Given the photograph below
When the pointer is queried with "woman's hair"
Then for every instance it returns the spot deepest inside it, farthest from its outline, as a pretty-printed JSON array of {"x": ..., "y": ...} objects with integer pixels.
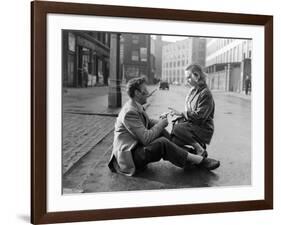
[
  {"x": 134, "y": 84},
  {"x": 197, "y": 70}
]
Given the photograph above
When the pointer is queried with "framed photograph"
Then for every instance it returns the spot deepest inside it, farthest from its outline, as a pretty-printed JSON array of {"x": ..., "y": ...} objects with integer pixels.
[{"x": 85, "y": 62}]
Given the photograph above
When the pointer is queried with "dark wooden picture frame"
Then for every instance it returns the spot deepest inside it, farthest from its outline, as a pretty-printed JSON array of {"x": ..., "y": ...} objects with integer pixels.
[{"x": 39, "y": 11}]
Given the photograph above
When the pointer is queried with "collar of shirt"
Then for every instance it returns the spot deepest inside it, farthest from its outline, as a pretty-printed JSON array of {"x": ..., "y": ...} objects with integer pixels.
[
  {"x": 139, "y": 106},
  {"x": 201, "y": 86}
]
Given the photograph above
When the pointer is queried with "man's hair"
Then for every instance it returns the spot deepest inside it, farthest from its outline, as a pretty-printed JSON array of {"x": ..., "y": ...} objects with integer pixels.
[
  {"x": 197, "y": 70},
  {"x": 134, "y": 84}
]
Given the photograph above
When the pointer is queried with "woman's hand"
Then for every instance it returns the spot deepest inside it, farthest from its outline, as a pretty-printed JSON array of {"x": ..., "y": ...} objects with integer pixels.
[{"x": 174, "y": 112}]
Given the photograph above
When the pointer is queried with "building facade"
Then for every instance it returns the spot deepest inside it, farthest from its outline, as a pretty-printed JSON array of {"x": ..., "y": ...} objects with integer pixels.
[
  {"x": 85, "y": 58},
  {"x": 178, "y": 55},
  {"x": 228, "y": 63},
  {"x": 136, "y": 57},
  {"x": 157, "y": 45}
]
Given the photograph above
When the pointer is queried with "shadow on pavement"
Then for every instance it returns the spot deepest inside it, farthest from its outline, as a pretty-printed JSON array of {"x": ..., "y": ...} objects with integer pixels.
[
  {"x": 172, "y": 176},
  {"x": 159, "y": 175}
]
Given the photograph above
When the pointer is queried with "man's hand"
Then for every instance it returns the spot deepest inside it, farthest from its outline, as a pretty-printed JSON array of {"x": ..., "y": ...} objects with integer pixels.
[
  {"x": 164, "y": 115},
  {"x": 163, "y": 121}
]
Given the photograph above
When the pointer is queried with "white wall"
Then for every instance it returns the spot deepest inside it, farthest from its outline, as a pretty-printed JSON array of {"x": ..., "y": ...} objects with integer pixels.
[{"x": 15, "y": 111}]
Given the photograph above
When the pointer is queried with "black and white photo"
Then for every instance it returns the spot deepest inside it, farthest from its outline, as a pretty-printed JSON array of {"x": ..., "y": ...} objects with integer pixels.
[{"x": 114, "y": 138}]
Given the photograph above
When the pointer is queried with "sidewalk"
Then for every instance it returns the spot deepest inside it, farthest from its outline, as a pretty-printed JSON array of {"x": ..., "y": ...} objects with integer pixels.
[
  {"x": 240, "y": 95},
  {"x": 92, "y": 101}
]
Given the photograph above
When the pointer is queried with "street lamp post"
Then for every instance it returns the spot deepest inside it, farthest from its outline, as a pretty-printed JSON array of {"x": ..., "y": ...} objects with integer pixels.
[{"x": 114, "y": 90}]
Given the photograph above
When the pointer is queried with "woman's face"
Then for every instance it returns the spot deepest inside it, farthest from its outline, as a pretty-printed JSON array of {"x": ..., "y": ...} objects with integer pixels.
[{"x": 191, "y": 79}]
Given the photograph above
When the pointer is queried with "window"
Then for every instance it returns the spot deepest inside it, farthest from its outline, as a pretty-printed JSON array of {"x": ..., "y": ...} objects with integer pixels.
[
  {"x": 131, "y": 71},
  {"x": 135, "y": 39},
  {"x": 227, "y": 56},
  {"x": 71, "y": 42},
  {"x": 121, "y": 38},
  {"x": 135, "y": 56},
  {"x": 143, "y": 54}
]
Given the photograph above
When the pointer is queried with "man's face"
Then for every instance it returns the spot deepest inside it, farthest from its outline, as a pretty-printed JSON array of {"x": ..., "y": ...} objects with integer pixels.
[{"x": 142, "y": 94}]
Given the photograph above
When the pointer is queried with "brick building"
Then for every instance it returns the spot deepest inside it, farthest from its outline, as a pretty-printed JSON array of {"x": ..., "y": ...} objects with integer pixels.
[
  {"x": 136, "y": 56},
  {"x": 85, "y": 52}
]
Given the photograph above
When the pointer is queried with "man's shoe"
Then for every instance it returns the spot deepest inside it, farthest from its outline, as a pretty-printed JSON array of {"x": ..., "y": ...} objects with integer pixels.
[
  {"x": 209, "y": 164},
  {"x": 203, "y": 153}
]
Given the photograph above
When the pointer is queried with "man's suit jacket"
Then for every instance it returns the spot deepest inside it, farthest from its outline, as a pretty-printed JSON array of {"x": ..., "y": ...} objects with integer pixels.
[{"x": 132, "y": 127}]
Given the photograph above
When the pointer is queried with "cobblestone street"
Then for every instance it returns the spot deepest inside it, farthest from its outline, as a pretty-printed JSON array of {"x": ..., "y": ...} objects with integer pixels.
[{"x": 81, "y": 133}]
